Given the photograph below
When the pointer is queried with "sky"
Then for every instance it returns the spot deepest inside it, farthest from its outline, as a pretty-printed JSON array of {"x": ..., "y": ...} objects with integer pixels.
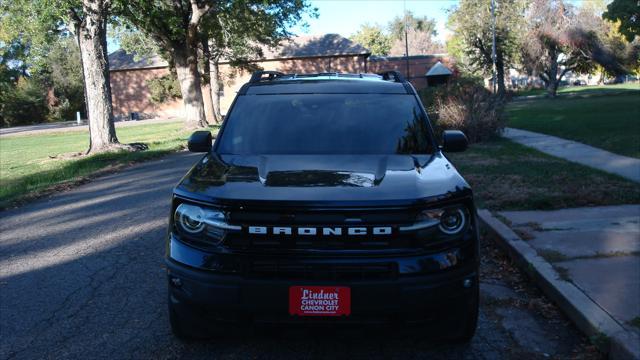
[{"x": 344, "y": 17}]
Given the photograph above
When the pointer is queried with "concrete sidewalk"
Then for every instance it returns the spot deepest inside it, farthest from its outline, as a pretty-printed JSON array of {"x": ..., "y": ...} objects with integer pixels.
[
  {"x": 624, "y": 166},
  {"x": 595, "y": 253}
]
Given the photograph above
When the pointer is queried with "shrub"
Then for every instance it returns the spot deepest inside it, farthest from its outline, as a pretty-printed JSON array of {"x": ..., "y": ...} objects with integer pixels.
[
  {"x": 25, "y": 103},
  {"x": 62, "y": 73},
  {"x": 465, "y": 104},
  {"x": 61, "y": 111},
  {"x": 164, "y": 88}
]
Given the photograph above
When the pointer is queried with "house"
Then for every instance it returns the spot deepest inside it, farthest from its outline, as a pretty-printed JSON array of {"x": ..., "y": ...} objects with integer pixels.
[
  {"x": 421, "y": 68},
  {"x": 129, "y": 89},
  {"x": 301, "y": 54}
]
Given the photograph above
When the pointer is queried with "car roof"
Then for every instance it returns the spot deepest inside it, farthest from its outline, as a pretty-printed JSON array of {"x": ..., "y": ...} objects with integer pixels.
[{"x": 334, "y": 83}]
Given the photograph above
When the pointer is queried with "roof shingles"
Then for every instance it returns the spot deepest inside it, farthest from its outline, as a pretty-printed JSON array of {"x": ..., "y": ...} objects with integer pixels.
[
  {"x": 310, "y": 46},
  {"x": 296, "y": 47},
  {"x": 121, "y": 60}
]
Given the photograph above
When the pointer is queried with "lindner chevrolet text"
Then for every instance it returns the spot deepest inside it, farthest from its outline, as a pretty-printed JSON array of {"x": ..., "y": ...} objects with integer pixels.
[{"x": 326, "y": 198}]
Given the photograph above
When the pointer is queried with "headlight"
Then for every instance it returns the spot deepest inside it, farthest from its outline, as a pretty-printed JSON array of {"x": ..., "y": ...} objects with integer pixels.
[
  {"x": 190, "y": 219},
  {"x": 194, "y": 221},
  {"x": 450, "y": 220},
  {"x": 453, "y": 221}
]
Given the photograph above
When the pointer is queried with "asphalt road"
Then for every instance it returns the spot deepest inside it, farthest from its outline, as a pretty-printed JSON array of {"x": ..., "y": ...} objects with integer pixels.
[{"x": 82, "y": 276}]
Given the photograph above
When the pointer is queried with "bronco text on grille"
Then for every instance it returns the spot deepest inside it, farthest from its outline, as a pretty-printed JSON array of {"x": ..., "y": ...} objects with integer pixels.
[
  {"x": 325, "y": 197},
  {"x": 324, "y": 231}
]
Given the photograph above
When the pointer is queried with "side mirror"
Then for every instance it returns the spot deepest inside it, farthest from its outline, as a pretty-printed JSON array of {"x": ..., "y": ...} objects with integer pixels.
[
  {"x": 454, "y": 141},
  {"x": 200, "y": 141}
]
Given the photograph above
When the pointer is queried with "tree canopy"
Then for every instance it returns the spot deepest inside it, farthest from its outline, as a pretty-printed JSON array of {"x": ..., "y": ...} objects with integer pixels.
[
  {"x": 559, "y": 39},
  {"x": 235, "y": 28},
  {"x": 545, "y": 38},
  {"x": 37, "y": 42},
  {"x": 627, "y": 12},
  {"x": 421, "y": 33},
  {"x": 411, "y": 22},
  {"x": 373, "y": 38},
  {"x": 471, "y": 43},
  {"x": 390, "y": 39}
]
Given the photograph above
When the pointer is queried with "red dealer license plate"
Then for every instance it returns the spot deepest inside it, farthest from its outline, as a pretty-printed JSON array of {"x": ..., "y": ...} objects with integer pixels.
[{"x": 319, "y": 300}]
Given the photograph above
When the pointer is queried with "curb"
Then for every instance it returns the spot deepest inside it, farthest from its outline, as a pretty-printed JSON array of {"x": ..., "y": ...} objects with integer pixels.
[{"x": 587, "y": 315}]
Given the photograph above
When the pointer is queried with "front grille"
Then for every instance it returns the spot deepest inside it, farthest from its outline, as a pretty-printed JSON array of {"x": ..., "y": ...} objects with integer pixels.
[
  {"x": 298, "y": 271},
  {"x": 242, "y": 241},
  {"x": 428, "y": 239},
  {"x": 321, "y": 218},
  {"x": 316, "y": 217}
]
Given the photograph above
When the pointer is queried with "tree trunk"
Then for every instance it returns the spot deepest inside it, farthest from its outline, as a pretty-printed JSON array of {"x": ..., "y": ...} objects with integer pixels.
[
  {"x": 215, "y": 92},
  {"x": 186, "y": 63},
  {"x": 601, "y": 78},
  {"x": 206, "y": 81},
  {"x": 552, "y": 88},
  {"x": 556, "y": 82},
  {"x": 502, "y": 90},
  {"x": 95, "y": 64},
  {"x": 208, "y": 103},
  {"x": 552, "y": 74}
]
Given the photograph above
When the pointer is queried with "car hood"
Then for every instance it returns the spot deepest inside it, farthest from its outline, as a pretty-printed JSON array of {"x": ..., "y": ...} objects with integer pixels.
[{"x": 321, "y": 178}]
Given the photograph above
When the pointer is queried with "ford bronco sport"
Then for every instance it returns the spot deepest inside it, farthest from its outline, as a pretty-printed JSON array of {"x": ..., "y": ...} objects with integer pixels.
[{"x": 325, "y": 198}]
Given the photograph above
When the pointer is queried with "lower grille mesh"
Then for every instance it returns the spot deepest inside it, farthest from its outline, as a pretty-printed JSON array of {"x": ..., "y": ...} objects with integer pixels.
[{"x": 284, "y": 270}]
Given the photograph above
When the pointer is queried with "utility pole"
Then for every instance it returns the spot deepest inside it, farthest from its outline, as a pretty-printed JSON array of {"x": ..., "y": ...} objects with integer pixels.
[
  {"x": 493, "y": 45},
  {"x": 406, "y": 39}
]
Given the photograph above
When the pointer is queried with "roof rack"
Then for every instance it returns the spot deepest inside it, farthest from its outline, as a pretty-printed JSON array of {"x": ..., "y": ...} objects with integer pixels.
[
  {"x": 257, "y": 76},
  {"x": 267, "y": 76},
  {"x": 392, "y": 75}
]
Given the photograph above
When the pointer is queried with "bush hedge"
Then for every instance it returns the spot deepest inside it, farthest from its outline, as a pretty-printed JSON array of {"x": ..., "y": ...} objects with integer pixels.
[
  {"x": 164, "y": 88},
  {"x": 23, "y": 104},
  {"x": 465, "y": 104}
]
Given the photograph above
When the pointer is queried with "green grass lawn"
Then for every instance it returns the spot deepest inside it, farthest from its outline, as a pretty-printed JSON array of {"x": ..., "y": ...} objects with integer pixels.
[
  {"x": 508, "y": 176},
  {"x": 32, "y": 163},
  {"x": 607, "y": 121},
  {"x": 615, "y": 88}
]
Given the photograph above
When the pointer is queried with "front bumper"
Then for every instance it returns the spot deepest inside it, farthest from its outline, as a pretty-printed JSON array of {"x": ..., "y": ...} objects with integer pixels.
[{"x": 446, "y": 280}]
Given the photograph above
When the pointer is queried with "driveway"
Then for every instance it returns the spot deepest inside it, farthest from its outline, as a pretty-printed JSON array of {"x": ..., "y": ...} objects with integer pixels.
[{"x": 82, "y": 276}]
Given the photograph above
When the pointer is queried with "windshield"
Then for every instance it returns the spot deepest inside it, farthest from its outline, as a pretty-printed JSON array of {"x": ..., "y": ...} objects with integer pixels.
[{"x": 326, "y": 124}]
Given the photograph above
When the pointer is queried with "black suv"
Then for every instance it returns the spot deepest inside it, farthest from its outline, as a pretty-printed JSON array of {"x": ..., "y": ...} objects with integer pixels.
[{"x": 325, "y": 199}]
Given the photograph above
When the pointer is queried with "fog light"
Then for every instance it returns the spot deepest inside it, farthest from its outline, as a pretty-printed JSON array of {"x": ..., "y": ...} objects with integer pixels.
[{"x": 467, "y": 283}]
